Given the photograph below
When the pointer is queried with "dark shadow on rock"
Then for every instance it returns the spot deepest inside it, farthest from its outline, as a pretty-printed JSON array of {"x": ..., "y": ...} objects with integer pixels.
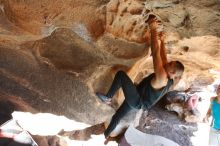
[
  {"x": 6, "y": 108},
  {"x": 10, "y": 142},
  {"x": 84, "y": 134},
  {"x": 167, "y": 124}
]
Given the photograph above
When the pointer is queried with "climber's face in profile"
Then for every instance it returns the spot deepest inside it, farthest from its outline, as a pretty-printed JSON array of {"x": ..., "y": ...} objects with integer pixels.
[{"x": 174, "y": 69}]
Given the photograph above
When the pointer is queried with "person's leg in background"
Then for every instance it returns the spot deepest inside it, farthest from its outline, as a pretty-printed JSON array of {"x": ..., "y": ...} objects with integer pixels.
[
  {"x": 214, "y": 137},
  {"x": 218, "y": 138}
]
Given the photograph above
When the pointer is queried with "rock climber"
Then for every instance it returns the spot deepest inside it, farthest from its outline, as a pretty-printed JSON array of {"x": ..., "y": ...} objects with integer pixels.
[{"x": 151, "y": 88}]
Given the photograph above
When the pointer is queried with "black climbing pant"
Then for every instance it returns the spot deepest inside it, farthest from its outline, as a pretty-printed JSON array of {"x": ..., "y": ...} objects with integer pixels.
[{"x": 132, "y": 99}]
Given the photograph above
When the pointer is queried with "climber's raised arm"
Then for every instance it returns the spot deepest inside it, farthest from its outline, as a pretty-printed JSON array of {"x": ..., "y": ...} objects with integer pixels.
[
  {"x": 162, "y": 48},
  {"x": 160, "y": 78}
]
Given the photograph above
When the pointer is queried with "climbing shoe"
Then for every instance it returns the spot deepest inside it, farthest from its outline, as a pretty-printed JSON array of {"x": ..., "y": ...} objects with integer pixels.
[{"x": 103, "y": 98}]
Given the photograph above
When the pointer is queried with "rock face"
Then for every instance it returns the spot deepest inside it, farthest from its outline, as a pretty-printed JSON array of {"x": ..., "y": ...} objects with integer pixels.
[
  {"x": 42, "y": 17},
  {"x": 36, "y": 76},
  {"x": 126, "y": 19},
  {"x": 55, "y": 54}
]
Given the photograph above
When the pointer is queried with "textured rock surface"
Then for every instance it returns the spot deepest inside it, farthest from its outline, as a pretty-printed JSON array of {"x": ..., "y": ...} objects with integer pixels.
[{"x": 55, "y": 54}]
